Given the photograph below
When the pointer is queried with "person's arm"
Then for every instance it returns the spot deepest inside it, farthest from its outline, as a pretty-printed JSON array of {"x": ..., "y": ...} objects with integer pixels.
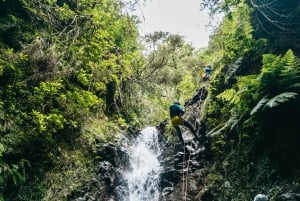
[{"x": 181, "y": 110}]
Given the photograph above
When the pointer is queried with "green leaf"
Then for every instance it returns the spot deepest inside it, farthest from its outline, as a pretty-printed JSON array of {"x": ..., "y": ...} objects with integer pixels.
[
  {"x": 281, "y": 98},
  {"x": 259, "y": 105},
  {"x": 229, "y": 95},
  {"x": 295, "y": 86}
]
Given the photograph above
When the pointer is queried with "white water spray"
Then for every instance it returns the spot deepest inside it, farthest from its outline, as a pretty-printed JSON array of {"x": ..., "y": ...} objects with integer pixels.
[{"x": 143, "y": 178}]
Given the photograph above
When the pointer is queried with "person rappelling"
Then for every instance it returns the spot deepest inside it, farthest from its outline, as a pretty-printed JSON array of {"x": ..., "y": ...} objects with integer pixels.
[
  {"x": 206, "y": 72},
  {"x": 176, "y": 112}
]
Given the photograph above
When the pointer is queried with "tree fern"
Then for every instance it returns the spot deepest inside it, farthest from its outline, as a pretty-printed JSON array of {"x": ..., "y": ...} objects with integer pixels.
[
  {"x": 279, "y": 73},
  {"x": 290, "y": 72},
  {"x": 277, "y": 100},
  {"x": 259, "y": 105},
  {"x": 294, "y": 87},
  {"x": 244, "y": 82},
  {"x": 229, "y": 95},
  {"x": 280, "y": 99},
  {"x": 253, "y": 95},
  {"x": 292, "y": 63}
]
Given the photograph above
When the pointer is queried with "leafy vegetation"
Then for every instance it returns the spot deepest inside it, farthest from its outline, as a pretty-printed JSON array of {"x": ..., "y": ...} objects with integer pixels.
[
  {"x": 72, "y": 74},
  {"x": 253, "y": 100},
  {"x": 62, "y": 64}
]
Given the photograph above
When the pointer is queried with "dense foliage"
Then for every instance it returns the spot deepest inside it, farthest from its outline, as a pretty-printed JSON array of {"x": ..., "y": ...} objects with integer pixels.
[
  {"x": 73, "y": 73},
  {"x": 274, "y": 20},
  {"x": 253, "y": 101},
  {"x": 61, "y": 64}
]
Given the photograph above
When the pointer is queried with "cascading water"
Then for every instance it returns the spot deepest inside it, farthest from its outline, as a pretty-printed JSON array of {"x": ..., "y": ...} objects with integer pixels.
[{"x": 144, "y": 175}]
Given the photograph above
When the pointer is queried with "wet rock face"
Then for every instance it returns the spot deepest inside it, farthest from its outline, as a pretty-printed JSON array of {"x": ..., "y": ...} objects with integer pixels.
[
  {"x": 115, "y": 155},
  {"x": 185, "y": 166},
  {"x": 108, "y": 183},
  {"x": 109, "y": 171},
  {"x": 114, "y": 160},
  {"x": 200, "y": 95}
]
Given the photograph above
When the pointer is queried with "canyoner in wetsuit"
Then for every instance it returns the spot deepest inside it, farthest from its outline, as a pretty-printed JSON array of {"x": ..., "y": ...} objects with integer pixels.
[
  {"x": 206, "y": 73},
  {"x": 176, "y": 112}
]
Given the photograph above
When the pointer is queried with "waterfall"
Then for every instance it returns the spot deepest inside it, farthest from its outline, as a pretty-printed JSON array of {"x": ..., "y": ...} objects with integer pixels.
[{"x": 144, "y": 176}]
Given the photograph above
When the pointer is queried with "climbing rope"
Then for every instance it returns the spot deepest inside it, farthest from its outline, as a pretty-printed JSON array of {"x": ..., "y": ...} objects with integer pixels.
[
  {"x": 185, "y": 177},
  {"x": 186, "y": 164}
]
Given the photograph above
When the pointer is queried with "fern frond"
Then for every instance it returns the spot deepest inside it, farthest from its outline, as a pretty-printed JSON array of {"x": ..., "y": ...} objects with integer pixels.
[
  {"x": 281, "y": 98},
  {"x": 234, "y": 120},
  {"x": 259, "y": 105},
  {"x": 243, "y": 81},
  {"x": 291, "y": 66},
  {"x": 229, "y": 95},
  {"x": 233, "y": 68},
  {"x": 250, "y": 122},
  {"x": 232, "y": 123},
  {"x": 269, "y": 61},
  {"x": 291, "y": 59},
  {"x": 295, "y": 86}
]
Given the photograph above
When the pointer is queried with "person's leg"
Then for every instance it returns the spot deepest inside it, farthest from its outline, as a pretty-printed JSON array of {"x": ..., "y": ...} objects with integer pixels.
[
  {"x": 187, "y": 124},
  {"x": 179, "y": 134}
]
